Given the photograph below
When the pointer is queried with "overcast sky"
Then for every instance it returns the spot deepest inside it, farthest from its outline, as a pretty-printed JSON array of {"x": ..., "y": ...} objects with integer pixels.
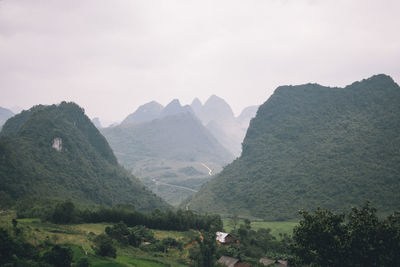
[{"x": 112, "y": 56}]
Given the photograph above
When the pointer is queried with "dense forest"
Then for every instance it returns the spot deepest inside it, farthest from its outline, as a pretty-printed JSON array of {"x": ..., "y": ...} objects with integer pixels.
[
  {"x": 311, "y": 146},
  {"x": 55, "y": 151}
]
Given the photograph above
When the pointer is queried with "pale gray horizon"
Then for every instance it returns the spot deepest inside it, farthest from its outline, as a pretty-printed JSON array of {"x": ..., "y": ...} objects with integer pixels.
[{"x": 110, "y": 57}]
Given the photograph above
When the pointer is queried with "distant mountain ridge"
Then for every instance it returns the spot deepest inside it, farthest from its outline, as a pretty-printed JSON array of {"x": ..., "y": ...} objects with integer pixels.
[
  {"x": 55, "y": 151},
  {"x": 5, "y": 114},
  {"x": 144, "y": 113},
  {"x": 311, "y": 146},
  {"x": 216, "y": 115},
  {"x": 175, "y": 148},
  {"x": 180, "y": 137},
  {"x": 219, "y": 119}
]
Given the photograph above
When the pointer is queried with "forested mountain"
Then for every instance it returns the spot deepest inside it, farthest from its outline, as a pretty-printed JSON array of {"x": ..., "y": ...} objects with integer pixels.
[
  {"x": 5, "y": 114},
  {"x": 311, "y": 146},
  {"x": 56, "y": 152},
  {"x": 171, "y": 149}
]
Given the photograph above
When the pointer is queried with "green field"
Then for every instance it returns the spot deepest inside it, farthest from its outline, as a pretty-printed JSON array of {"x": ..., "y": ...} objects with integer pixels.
[
  {"x": 285, "y": 227},
  {"x": 79, "y": 238}
]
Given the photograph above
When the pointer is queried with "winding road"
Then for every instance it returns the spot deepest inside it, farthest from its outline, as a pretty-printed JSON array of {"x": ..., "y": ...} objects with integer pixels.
[
  {"x": 209, "y": 170},
  {"x": 172, "y": 185}
]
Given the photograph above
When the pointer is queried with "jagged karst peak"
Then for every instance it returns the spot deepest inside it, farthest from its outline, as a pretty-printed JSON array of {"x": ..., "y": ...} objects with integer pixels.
[
  {"x": 216, "y": 103},
  {"x": 175, "y": 107},
  {"x": 144, "y": 113},
  {"x": 248, "y": 112},
  {"x": 196, "y": 102},
  {"x": 375, "y": 79},
  {"x": 174, "y": 103}
]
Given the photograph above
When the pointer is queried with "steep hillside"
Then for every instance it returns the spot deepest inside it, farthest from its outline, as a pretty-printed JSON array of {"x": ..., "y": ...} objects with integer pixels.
[
  {"x": 312, "y": 146},
  {"x": 160, "y": 150},
  {"x": 55, "y": 151}
]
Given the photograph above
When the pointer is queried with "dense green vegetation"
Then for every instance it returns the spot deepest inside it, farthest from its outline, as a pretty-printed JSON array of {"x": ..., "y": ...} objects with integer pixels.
[
  {"x": 326, "y": 238},
  {"x": 277, "y": 229},
  {"x": 66, "y": 212},
  {"x": 83, "y": 169},
  {"x": 34, "y": 243},
  {"x": 255, "y": 244},
  {"x": 322, "y": 238},
  {"x": 313, "y": 146}
]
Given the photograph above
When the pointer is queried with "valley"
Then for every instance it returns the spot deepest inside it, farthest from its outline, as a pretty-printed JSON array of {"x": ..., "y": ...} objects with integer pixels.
[{"x": 172, "y": 149}]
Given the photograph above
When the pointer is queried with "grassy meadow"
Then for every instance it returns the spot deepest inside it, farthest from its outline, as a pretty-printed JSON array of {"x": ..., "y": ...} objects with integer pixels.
[
  {"x": 79, "y": 238},
  {"x": 277, "y": 228}
]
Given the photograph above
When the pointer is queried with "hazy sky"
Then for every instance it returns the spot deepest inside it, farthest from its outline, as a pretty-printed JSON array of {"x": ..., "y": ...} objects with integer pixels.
[{"x": 112, "y": 56}]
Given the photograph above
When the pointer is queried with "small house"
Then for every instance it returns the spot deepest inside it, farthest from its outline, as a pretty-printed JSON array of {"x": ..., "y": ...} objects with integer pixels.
[
  {"x": 225, "y": 238},
  {"x": 270, "y": 262},
  {"x": 232, "y": 262},
  {"x": 228, "y": 261}
]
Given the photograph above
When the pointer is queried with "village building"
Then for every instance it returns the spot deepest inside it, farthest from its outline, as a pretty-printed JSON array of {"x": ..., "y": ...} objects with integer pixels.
[
  {"x": 225, "y": 238},
  {"x": 270, "y": 262},
  {"x": 232, "y": 262}
]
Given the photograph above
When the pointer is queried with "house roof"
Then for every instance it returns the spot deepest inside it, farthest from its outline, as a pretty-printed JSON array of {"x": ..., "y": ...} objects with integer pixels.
[
  {"x": 277, "y": 263},
  {"x": 221, "y": 236},
  {"x": 228, "y": 261}
]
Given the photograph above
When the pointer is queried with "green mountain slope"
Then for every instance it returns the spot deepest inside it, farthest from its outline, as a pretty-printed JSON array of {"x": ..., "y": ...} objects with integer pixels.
[
  {"x": 312, "y": 146},
  {"x": 55, "y": 151}
]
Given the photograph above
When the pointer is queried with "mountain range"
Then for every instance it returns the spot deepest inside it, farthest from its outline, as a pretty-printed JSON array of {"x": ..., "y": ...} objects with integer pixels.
[
  {"x": 169, "y": 149},
  {"x": 217, "y": 116},
  {"x": 56, "y": 152},
  {"x": 311, "y": 146}
]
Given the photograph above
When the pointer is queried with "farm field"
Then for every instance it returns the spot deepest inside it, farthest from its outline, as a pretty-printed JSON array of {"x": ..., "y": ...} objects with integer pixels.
[
  {"x": 284, "y": 227},
  {"x": 79, "y": 237}
]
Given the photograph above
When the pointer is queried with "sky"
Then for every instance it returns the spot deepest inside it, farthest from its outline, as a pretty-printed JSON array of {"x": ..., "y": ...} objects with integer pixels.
[{"x": 112, "y": 56}]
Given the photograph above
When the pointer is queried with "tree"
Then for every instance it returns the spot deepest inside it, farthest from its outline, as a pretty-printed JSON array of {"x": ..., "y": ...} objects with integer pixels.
[
  {"x": 6, "y": 246},
  {"x": 104, "y": 246},
  {"x": 325, "y": 239},
  {"x": 64, "y": 212},
  {"x": 59, "y": 256},
  {"x": 320, "y": 238},
  {"x": 208, "y": 248},
  {"x": 119, "y": 231},
  {"x": 83, "y": 262},
  {"x": 235, "y": 220}
]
